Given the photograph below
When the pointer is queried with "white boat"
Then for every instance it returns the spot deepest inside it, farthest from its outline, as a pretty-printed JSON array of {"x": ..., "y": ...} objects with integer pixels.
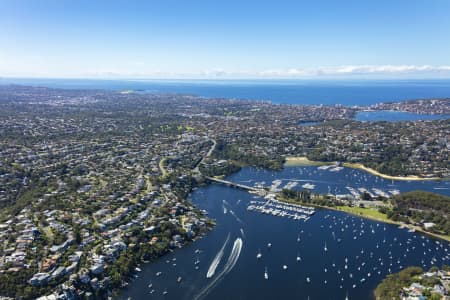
[
  {"x": 299, "y": 258},
  {"x": 325, "y": 247},
  {"x": 138, "y": 269},
  {"x": 269, "y": 245},
  {"x": 158, "y": 273},
  {"x": 266, "y": 274},
  {"x": 308, "y": 280},
  {"x": 259, "y": 255},
  {"x": 179, "y": 279},
  {"x": 285, "y": 267},
  {"x": 308, "y": 186}
]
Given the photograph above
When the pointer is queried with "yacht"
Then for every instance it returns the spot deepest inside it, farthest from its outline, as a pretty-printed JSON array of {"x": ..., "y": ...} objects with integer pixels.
[
  {"x": 266, "y": 274},
  {"x": 308, "y": 280},
  {"x": 285, "y": 267},
  {"x": 269, "y": 245},
  {"x": 259, "y": 255}
]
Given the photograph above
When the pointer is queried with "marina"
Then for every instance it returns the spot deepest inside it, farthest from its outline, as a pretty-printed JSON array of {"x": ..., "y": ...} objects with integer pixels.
[
  {"x": 331, "y": 256},
  {"x": 277, "y": 208}
]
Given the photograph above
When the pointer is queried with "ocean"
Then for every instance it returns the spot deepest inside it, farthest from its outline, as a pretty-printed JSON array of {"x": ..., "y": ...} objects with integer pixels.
[{"x": 326, "y": 92}]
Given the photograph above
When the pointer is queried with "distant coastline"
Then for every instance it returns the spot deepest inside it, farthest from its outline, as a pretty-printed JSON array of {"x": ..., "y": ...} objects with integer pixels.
[{"x": 303, "y": 160}]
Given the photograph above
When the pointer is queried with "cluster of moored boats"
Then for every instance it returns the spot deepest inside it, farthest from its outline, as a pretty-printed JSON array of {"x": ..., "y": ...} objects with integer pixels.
[
  {"x": 331, "y": 168},
  {"x": 374, "y": 192},
  {"x": 281, "y": 209},
  {"x": 356, "y": 268}
]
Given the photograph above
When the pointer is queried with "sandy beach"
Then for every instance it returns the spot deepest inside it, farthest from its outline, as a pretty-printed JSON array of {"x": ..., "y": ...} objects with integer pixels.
[
  {"x": 385, "y": 176},
  {"x": 304, "y": 161}
]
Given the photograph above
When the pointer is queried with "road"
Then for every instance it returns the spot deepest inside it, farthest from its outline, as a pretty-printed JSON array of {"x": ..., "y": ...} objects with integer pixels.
[{"x": 208, "y": 154}]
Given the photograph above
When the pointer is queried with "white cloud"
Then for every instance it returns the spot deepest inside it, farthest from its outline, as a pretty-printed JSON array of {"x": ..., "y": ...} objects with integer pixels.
[
  {"x": 345, "y": 71},
  {"x": 339, "y": 71},
  {"x": 384, "y": 69}
]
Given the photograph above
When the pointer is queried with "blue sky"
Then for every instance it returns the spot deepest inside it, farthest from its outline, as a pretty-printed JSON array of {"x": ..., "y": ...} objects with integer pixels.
[{"x": 225, "y": 39}]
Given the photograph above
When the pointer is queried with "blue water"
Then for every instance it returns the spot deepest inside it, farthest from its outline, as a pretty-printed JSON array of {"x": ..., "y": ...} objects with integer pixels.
[
  {"x": 370, "y": 247},
  {"x": 326, "y": 181},
  {"x": 356, "y": 92},
  {"x": 395, "y": 116}
]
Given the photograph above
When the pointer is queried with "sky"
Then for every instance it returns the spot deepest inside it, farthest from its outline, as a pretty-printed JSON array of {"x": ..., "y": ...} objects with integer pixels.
[{"x": 225, "y": 39}]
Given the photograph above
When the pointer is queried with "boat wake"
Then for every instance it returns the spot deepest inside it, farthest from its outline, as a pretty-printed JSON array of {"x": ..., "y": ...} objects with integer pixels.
[
  {"x": 212, "y": 268},
  {"x": 242, "y": 233},
  {"x": 236, "y": 217},
  {"x": 229, "y": 265}
]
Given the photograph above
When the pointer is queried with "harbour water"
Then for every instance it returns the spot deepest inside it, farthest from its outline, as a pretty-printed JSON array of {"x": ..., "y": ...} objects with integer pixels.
[
  {"x": 395, "y": 116},
  {"x": 330, "y": 256}
]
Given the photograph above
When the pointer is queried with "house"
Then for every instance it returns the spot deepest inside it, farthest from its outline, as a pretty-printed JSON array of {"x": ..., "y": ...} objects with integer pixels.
[{"x": 39, "y": 279}]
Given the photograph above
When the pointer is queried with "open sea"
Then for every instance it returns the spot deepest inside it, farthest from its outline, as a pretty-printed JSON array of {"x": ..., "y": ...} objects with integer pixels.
[{"x": 326, "y": 92}]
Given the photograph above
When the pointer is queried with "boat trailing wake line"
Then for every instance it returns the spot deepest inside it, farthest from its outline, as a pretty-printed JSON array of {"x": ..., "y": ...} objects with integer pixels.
[
  {"x": 212, "y": 268},
  {"x": 229, "y": 265},
  {"x": 234, "y": 256},
  {"x": 236, "y": 217}
]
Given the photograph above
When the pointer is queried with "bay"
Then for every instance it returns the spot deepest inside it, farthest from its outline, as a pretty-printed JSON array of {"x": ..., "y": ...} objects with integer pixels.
[
  {"x": 395, "y": 116},
  {"x": 352, "y": 268}
]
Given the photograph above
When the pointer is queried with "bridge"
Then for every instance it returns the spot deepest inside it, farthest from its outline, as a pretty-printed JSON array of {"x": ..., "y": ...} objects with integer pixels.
[{"x": 237, "y": 185}]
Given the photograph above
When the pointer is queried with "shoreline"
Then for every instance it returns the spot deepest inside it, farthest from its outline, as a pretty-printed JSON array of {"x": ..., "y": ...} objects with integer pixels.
[
  {"x": 304, "y": 161},
  {"x": 347, "y": 210},
  {"x": 388, "y": 221}
]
